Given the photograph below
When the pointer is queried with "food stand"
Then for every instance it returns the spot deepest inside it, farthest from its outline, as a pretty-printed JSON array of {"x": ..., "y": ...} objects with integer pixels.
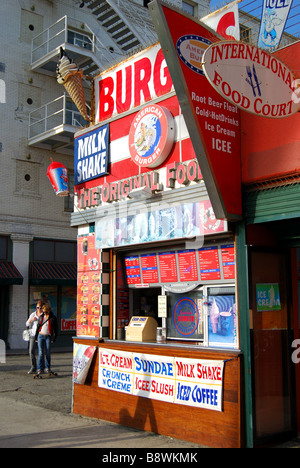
[{"x": 156, "y": 269}]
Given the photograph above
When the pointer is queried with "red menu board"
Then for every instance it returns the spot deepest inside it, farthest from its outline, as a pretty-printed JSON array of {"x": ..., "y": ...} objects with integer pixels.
[
  {"x": 88, "y": 287},
  {"x": 228, "y": 260},
  {"x": 187, "y": 265},
  {"x": 167, "y": 267},
  {"x": 149, "y": 268},
  {"x": 88, "y": 255},
  {"x": 209, "y": 263},
  {"x": 133, "y": 273}
]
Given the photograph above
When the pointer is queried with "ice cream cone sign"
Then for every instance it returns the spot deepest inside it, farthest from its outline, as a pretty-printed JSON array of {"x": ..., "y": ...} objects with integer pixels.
[
  {"x": 58, "y": 176},
  {"x": 69, "y": 75}
]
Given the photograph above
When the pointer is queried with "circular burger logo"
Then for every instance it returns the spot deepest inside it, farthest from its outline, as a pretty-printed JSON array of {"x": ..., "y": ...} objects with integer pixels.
[
  {"x": 186, "y": 316},
  {"x": 151, "y": 136}
]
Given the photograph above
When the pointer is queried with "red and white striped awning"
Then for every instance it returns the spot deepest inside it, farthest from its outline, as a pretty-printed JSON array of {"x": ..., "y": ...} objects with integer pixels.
[
  {"x": 9, "y": 274},
  {"x": 52, "y": 273}
]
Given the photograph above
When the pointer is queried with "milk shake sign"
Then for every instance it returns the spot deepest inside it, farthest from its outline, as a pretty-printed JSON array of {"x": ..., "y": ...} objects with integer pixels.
[{"x": 252, "y": 79}]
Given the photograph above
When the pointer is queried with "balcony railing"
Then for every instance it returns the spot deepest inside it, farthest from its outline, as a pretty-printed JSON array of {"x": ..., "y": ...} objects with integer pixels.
[
  {"x": 71, "y": 32},
  {"x": 54, "y": 117}
]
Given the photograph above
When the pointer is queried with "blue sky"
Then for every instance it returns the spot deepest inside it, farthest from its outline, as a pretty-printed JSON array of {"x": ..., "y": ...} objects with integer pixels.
[{"x": 254, "y": 7}]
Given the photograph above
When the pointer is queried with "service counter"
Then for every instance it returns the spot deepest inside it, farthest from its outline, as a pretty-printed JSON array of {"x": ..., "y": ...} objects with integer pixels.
[{"x": 195, "y": 424}]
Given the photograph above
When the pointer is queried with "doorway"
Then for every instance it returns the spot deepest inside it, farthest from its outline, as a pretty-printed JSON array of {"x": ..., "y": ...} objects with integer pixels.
[{"x": 273, "y": 373}]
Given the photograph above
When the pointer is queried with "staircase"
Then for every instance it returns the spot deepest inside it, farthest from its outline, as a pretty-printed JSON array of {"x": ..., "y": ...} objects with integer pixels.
[{"x": 128, "y": 24}]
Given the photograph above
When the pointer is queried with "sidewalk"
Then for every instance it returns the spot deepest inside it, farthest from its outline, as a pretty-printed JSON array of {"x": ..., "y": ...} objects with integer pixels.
[{"x": 37, "y": 413}]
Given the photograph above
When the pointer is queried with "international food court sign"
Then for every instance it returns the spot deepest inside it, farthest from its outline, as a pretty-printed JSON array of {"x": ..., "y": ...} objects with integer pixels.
[
  {"x": 213, "y": 80},
  {"x": 252, "y": 79}
]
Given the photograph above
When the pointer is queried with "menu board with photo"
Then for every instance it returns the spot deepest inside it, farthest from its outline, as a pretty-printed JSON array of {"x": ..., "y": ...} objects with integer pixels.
[{"x": 88, "y": 287}]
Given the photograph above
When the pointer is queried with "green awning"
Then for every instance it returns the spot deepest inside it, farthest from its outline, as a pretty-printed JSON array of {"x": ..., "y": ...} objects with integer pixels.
[
  {"x": 53, "y": 273},
  {"x": 9, "y": 274}
]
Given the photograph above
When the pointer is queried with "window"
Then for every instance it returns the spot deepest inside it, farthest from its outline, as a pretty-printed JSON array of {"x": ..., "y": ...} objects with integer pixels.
[
  {"x": 3, "y": 248},
  {"x": 69, "y": 200},
  {"x": 43, "y": 251},
  {"x": 64, "y": 251},
  {"x": 188, "y": 8},
  {"x": 202, "y": 311},
  {"x": 222, "y": 317},
  {"x": 185, "y": 315},
  {"x": 80, "y": 40},
  {"x": 54, "y": 251},
  {"x": 73, "y": 116},
  {"x": 62, "y": 300},
  {"x": 245, "y": 33}
]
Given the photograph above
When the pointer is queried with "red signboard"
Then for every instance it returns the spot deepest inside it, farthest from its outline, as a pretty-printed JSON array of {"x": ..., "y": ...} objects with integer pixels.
[
  {"x": 209, "y": 263},
  {"x": 167, "y": 267},
  {"x": 131, "y": 84},
  {"x": 228, "y": 260},
  {"x": 149, "y": 268},
  {"x": 88, "y": 287},
  {"x": 187, "y": 265},
  {"x": 267, "y": 142},
  {"x": 133, "y": 273},
  {"x": 213, "y": 123}
]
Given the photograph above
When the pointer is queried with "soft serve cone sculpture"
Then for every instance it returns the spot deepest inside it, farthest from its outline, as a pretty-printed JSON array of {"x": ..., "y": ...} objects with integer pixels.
[{"x": 70, "y": 76}]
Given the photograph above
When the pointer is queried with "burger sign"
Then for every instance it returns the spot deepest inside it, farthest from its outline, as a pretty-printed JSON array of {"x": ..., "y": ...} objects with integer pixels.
[
  {"x": 251, "y": 79},
  {"x": 151, "y": 136}
]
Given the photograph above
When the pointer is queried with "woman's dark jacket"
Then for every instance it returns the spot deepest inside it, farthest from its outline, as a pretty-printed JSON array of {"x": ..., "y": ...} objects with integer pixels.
[{"x": 53, "y": 326}]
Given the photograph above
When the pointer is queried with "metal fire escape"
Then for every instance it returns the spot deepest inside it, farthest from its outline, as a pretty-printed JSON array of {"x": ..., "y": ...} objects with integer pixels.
[
  {"x": 128, "y": 24},
  {"x": 126, "y": 28}
]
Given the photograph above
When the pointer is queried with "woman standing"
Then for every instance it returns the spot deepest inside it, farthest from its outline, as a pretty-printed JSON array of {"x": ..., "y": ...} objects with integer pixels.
[
  {"x": 46, "y": 334},
  {"x": 31, "y": 324}
]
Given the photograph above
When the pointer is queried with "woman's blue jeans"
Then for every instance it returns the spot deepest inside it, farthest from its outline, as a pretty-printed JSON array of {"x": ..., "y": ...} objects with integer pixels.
[{"x": 44, "y": 358}]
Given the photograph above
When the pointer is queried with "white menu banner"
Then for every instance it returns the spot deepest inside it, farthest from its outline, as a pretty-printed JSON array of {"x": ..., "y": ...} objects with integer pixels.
[{"x": 191, "y": 382}]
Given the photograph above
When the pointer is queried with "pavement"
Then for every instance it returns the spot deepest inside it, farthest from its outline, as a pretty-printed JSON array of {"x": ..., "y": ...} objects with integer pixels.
[{"x": 37, "y": 413}]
